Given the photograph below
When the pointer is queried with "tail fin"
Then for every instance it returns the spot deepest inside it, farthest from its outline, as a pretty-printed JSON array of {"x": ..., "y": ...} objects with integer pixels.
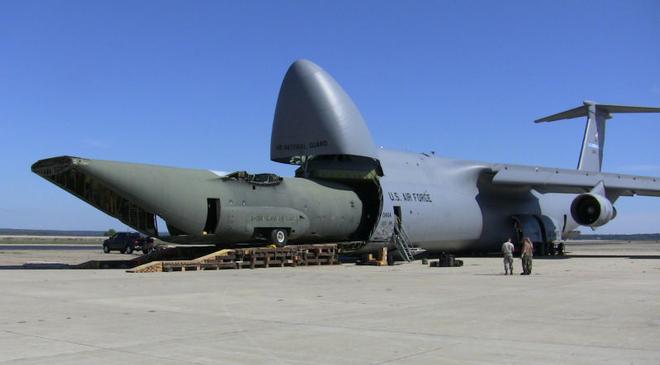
[{"x": 593, "y": 143}]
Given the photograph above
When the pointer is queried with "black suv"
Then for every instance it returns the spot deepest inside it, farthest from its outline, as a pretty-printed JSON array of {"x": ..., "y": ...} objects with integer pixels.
[{"x": 124, "y": 242}]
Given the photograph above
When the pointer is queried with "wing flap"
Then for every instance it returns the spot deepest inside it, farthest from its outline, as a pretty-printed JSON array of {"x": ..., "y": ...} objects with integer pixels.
[{"x": 554, "y": 180}]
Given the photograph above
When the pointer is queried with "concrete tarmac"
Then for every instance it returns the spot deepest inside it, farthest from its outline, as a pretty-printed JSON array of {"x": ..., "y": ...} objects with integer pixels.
[{"x": 599, "y": 305}]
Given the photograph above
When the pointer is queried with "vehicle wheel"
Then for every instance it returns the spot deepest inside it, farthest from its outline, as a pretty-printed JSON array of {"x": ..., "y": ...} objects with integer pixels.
[
  {"x": 106, "y": 249},
  {"x": 123, "y": 250},
  {"x": 129, "y": 249},
  {"x": 278, "y": 237},
  {"x": 145, "y": 251}
]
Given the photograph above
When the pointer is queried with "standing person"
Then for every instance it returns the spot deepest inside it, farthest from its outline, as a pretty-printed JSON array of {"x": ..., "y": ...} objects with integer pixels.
[
  {"x": 507, "y": 251},
  {"x": 526, "y": 256}
]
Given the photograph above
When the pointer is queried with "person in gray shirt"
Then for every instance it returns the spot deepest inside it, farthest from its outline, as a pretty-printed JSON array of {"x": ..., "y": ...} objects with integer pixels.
[{"x": 507, "y": 251}]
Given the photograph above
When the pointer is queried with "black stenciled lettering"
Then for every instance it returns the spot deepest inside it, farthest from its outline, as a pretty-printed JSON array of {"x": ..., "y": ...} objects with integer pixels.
[{"x": 317, "y": 144}]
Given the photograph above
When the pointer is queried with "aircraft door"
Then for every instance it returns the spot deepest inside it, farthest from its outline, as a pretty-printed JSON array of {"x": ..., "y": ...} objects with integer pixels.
[
  {"x": 385, "y": 225},
  {"x": 542, "y": 230},
  {"x": 212, "y": 215},
  {"x": 397, "y": 216},
  {"x": 527, "y": 225}
]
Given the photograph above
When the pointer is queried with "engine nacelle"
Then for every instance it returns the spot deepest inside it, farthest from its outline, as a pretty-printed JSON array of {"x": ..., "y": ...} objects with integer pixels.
[{"x": 592, "y": 210}]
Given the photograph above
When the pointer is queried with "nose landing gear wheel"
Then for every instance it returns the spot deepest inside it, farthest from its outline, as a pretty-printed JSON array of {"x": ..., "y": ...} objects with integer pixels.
[{"x": 278, "y": 237}]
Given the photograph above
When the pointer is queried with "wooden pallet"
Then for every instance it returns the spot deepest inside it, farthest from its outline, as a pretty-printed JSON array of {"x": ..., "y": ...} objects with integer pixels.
[
  {"x": 240, "y": 258},
  {"x": 380, "y": 260}
]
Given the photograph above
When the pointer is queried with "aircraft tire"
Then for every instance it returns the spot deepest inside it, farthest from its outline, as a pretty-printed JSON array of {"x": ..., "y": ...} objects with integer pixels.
[
  {"x": 106, "y": 249},
  {"x": 279, "y": 237}
]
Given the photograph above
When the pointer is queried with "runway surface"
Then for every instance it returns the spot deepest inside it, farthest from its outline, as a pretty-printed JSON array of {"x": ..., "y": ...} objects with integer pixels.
[
  {"x": 598, "y": 305},
  {"x": 37, "y": 247}
]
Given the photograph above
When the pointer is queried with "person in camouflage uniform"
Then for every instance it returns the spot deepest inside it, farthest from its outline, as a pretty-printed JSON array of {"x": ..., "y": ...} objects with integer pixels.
[
  {"x": 507, "y": 251},
  {"x": 526, "y": 256}
]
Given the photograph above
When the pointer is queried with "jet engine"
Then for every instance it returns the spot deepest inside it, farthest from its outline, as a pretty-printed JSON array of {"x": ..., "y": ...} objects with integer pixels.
[{"x": 592, "y": 210}]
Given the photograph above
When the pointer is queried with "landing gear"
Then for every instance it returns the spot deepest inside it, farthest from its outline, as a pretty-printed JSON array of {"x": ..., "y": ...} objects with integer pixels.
[
  {"x": 279, "y": 237},
  {"x": 547, "y": 249},
  {"x": 553, "y": 249}
]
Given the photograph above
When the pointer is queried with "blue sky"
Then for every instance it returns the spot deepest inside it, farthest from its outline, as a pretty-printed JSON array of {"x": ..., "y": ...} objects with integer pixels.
[{"x": 194, "y": 84}]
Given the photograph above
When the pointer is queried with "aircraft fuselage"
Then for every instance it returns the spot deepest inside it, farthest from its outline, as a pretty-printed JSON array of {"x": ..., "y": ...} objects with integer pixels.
[{"x": 445, "y": 204}]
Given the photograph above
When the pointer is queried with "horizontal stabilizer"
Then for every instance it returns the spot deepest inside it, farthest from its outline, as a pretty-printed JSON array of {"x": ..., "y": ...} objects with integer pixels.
[
  {"x": 583, "y": 111},
  {"x": 593, "y": 142}
]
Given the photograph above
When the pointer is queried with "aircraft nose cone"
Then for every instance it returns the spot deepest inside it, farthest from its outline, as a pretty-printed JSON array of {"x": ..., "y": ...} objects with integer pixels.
[
  {"x": 303, "y": 67},
  {"x": 315, "y": 116},
  {"x": 305, "y": 79}
]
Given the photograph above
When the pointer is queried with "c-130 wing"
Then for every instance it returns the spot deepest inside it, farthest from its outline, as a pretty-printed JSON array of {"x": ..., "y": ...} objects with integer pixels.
[{"x": 554, "y": 180}]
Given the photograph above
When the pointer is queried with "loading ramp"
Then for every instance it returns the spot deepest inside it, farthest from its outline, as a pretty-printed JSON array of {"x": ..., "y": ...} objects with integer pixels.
[
  {"x": 161, "y": 254},
  {"x": 240, "y": 258}
]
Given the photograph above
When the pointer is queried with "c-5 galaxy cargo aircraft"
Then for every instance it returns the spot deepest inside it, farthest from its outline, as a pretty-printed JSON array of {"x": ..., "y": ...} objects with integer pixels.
[{"x": 347, "y": 190}]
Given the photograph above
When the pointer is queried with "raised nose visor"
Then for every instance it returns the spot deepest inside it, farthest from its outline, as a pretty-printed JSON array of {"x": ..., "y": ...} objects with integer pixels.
[
  {"x": 315, "y": 116},
  {"x": 72, "y": 175}
]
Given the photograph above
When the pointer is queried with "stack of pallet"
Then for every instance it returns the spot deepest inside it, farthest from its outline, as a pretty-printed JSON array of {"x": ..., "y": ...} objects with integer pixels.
[{"x": 303, "y": 255}]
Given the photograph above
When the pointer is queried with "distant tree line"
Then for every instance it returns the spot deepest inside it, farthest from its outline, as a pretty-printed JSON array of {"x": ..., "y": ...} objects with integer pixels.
[
  {"x": 48, "y": 232},
  {"x": 617, "y": 237}
]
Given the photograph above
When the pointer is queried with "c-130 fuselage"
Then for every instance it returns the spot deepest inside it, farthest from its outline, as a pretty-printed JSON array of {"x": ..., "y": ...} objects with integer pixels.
[{"x": 346, "y": 190}]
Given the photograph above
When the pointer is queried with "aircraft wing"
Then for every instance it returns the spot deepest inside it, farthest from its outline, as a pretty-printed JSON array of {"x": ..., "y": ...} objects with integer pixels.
[{"x": 553, "y": 180}]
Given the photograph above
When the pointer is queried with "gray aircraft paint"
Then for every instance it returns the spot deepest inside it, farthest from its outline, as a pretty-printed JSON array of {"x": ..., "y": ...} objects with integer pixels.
[
  {"x": 314, "y": 211},
  {"x": 346, "y": 189},
  {"x": 315, "y": 116},
  {"x": 437, "y": 198}
]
